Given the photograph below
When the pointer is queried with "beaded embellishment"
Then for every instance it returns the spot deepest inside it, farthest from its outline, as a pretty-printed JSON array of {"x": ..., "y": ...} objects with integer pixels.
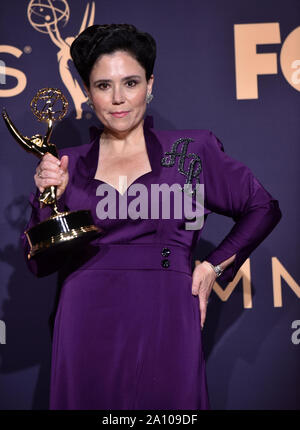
[{"x": 195, "y": 166}]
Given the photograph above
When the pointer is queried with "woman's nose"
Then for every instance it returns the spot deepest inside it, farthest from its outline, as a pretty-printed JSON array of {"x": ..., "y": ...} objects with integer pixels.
[{"x": 118, "y": 96}]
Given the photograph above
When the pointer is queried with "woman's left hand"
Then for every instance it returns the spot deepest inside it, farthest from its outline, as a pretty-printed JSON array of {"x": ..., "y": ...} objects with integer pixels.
[{"x": 204, "y": 278}]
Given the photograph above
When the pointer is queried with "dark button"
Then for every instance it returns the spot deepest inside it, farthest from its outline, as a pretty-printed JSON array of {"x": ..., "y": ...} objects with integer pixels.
[
  {"x": 165, "y": 263},
  {"x": 165, "y": 252}
]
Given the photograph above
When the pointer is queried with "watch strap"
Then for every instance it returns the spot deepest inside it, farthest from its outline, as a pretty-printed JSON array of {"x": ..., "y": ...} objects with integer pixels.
[{"x": 217, "y": 269}]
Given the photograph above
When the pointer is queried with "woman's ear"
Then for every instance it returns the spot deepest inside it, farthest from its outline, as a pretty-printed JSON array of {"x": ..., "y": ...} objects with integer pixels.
[
  {"x": 150, "y": 84},
  {"x": 87, "y": 91}
]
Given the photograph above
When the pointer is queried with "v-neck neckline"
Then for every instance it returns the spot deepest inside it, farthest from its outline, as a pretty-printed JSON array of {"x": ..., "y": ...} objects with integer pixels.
[
  {"x": 120, "y": 176},
  {"x": 153, "y": 149}
]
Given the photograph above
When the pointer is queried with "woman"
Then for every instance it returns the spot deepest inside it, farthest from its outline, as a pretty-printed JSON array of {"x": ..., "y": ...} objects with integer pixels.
[{"x": 127, "y": 331}]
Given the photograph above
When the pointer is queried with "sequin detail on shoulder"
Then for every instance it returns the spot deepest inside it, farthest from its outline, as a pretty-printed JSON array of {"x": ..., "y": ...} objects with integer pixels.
[{"x": 195, "y": 165}]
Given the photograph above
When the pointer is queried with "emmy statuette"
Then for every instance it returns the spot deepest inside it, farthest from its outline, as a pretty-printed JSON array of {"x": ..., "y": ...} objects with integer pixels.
[{"x": 62, "y": 230}]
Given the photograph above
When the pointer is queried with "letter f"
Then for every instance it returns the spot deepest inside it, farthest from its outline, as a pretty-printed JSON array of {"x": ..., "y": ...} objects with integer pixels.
[{"x": 249, "y": 64}]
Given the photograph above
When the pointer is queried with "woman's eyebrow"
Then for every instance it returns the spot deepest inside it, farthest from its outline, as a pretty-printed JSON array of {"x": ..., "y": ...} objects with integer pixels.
[{"x": 123, "y": 79}]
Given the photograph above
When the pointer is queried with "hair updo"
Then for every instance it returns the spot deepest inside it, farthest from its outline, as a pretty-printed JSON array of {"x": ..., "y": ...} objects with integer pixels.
[{"x": 97, "y": 40}]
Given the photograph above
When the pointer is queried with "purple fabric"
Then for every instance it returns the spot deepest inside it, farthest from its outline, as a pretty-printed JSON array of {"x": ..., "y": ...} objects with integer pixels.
[{"x": 127, "y": 330}]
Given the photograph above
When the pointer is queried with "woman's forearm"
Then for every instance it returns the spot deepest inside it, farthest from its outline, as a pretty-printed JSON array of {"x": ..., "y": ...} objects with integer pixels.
[
  {"x": 227, "y": 262},
  {"x": 224, "y": 263}
]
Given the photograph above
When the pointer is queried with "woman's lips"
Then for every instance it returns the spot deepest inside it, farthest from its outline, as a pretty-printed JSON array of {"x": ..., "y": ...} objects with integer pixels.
[{"x": 120, "y": 114}]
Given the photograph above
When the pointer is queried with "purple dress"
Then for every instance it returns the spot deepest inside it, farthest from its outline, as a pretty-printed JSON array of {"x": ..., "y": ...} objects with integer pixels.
[{"x": 127, "y": 329}]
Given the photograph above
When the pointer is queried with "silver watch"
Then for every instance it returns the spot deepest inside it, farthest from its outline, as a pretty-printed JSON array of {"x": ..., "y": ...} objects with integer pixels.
[{"x": 218, "y": 269}]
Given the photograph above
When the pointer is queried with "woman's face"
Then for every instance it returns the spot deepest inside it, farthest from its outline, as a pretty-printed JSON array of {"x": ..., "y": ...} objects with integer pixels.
[{"x": 118, "y": 89}]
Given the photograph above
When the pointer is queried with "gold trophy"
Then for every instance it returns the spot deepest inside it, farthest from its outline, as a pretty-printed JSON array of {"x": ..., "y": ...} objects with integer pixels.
[{"x": 62, "y": 229}]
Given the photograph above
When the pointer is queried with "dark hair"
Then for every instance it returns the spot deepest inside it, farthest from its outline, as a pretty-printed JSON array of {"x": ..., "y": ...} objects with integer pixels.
[{"x": 106, "y": 39}]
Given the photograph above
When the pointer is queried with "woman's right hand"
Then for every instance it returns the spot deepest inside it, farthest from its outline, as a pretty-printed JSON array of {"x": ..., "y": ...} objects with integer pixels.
[{"x": 52, "y": 171}]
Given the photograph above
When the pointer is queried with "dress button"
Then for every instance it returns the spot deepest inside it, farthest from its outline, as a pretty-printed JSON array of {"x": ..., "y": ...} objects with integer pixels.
[
  {"x": 165, "y": 252},
  {"x": 165, "y": 263}
]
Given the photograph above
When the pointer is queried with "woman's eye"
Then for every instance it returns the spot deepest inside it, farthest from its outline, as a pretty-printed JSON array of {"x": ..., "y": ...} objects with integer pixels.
[
  {"x": 131, "y": 83},
  {"x": 103, "y": 86}
]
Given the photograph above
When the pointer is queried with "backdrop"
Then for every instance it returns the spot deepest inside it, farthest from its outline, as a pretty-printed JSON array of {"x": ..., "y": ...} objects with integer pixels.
[{"x": 232, "y": 67}]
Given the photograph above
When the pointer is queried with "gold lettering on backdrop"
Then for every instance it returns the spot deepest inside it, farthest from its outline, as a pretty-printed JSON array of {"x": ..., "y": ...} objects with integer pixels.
[
  {"x": 15, "y": 73},
  {"x": 45, "y": 16},
  {"x": 244, "y": 273},
  {"x": 249, "y": 64},
  {"x": 290, "y": 58},
  {"x": 278, "y": 272}
]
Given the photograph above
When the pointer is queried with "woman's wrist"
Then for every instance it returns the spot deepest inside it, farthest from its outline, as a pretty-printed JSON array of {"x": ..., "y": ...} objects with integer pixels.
[{"x": 216, "y": 269}]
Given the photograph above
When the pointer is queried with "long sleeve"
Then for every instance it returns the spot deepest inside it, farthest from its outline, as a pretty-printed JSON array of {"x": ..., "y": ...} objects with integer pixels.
[{"x": 231, "y": 189}]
